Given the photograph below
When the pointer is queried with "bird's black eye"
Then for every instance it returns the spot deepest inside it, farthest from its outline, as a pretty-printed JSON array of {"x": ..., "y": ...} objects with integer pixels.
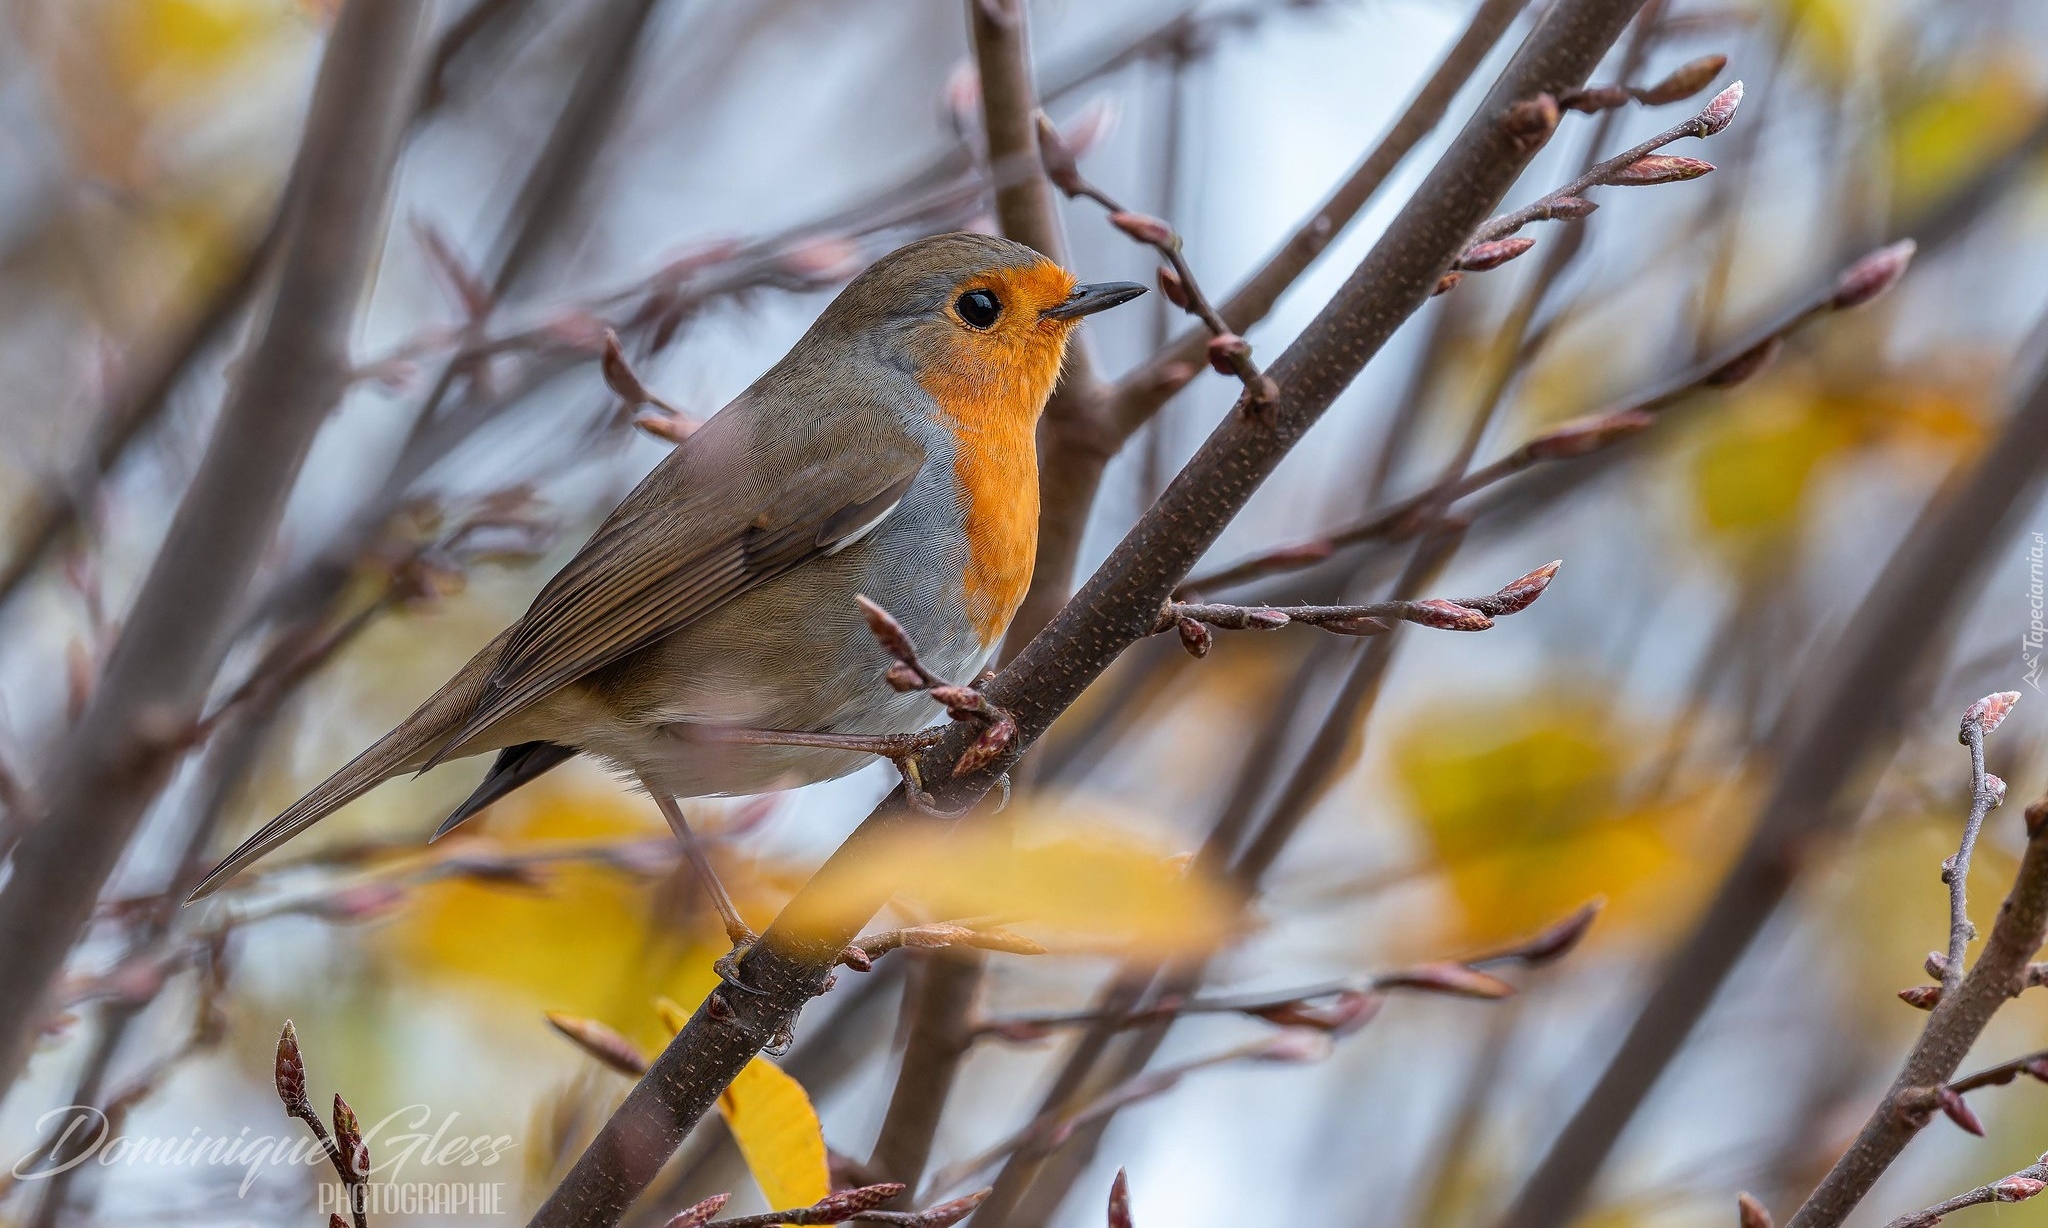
[{"x": 979, "y": 308}]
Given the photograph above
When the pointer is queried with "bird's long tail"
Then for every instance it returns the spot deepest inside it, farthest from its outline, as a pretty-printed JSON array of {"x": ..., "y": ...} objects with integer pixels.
[{"x": 404, "y": 749}]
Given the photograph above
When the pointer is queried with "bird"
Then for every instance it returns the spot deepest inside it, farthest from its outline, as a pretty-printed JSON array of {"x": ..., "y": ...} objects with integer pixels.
[{"x": 889, "y": 456}]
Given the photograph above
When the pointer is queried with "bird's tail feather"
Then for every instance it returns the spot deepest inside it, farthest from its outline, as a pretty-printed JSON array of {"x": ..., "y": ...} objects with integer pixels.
[
  {"x": 406, "y": 748},
  {"x": 387, "y": 757}
]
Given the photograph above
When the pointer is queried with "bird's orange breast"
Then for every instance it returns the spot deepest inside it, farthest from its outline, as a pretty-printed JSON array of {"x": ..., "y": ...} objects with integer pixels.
[{"x": 991, "y": 400}]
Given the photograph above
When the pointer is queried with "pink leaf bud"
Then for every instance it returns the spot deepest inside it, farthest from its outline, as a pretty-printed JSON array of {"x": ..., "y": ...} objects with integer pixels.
[
  {"x": 1684, "y": 81},
  {"x": 1720, "y": 110},
  {"x": 1651, "y": 169},
  {"x": 1482, "y": 256},
  {"x": 1872, "y": 275},
  {"x": 1143, "y": 227}
]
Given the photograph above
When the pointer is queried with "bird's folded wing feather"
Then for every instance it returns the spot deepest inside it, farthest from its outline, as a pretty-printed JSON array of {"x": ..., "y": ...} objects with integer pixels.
[{"x": 672, "y": 554}]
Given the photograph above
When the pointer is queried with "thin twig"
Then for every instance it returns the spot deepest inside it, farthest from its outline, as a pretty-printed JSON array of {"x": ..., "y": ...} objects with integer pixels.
[
  {"x": 1582, "y": 436},
  {"x": 2018, "y": 1187},
  {"x": 1986, "y": 791}
]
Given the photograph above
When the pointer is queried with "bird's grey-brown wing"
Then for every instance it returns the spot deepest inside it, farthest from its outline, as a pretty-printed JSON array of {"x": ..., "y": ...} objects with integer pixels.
[
  {"x": 711, "y": 522},
  {"x": 662, "y": 563}
]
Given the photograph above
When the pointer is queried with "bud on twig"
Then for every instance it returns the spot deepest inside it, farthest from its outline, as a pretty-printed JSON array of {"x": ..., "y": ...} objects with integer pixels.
[
  {"x": 1921, "y": 997},
  {"x": 1741, "y": 368},
  {"x": 1193, "y": 636},
  {"x": 1058, "y": 158},
  {"x": 1987, "y": 714},
  {"x": 1684, "y": 81},
  {"x": 1447, "y": 283},
  {"x": 1956, "y": 1110},
  {"x": 1566, "y": 209},
  {"x": 1446, "y": 615},
  {"x": 844, "y": 1205},
  {"x": 2017, "y": 1189},
  {"x": 1532, "y": 120},
  {"x": 600, "y": 1042},
  {"x": 1750, "y": 1213},
  {"x": 1482, "y": 256},
  {"x": 1120, "y": 1201},
  {"x": 291, "y": 1072},
  {"x": 947, "y": 1214},
  {"x": 698, "y": 1214},
  {"x": 1172, "y": 287},
  {"x": 1459, "y": 980},
  {"x": 1596, "y": 98},
  {"x": 1225, "y": 351},
  {"x": 1144, "y": 228},
  {"x": 1652, "y": 169},
  {"x": 1720, "y": 112},
  {"x": 1872, "y": 275},
  {"x": 348, "y": 1135}
]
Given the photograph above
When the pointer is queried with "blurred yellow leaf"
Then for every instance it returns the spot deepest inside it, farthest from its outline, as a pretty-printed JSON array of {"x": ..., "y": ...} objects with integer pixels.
[
  {"x": 1528, "y": 813},
  {"x": 1751, "y": 476},
  {"x": 183, "y": 42},
  {"x": 778, "y": 1135},
  {"x": 587, "y": 942},
  {"x": 1949, "y": 131},
  {"x": 1044, "y": 868}
]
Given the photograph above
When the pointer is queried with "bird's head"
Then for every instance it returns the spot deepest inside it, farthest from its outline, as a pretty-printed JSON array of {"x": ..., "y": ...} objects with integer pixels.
[{"x": 981, "y": 322}]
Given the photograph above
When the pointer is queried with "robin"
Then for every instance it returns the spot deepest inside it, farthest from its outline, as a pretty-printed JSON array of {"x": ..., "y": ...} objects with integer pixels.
[{"x": 890, "y": 455}]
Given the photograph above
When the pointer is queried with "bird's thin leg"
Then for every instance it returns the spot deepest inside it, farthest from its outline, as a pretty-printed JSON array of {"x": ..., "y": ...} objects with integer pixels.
[{"x": 737, "y": 931}]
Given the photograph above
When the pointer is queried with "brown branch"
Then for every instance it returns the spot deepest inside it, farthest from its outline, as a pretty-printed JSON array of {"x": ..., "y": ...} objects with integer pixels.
[
  {"x": 1114, "y": 610},
  {"x": 1072, "y": 461},
  {"x": 1372, "y": 618},
  {"x": 1355, "y": 1001},
  {"x": 1631, "y": 168},
  {"x": 2018, "y": 1187},
  {"x": 1141, "y": 393},
  {"x": 1986, "y": 791},
  {"x": 1227, "y": 352},
  {"x": 1846, "y": 711},
  {"x": 174, "y": 640},
  {"x": 1583, "y": 436},
  {"x": 2000, "y": 974}
]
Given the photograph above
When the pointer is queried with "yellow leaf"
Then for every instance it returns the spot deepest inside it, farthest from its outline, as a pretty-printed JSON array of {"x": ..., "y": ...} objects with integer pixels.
[
  {"x": 1949, "y": 131},
  {"x": 589, "y": 941},
  {"x": 778, "y": 1135},
  {"x": 1528, "y": 813},
  {"x": 1095, "y": 886}
]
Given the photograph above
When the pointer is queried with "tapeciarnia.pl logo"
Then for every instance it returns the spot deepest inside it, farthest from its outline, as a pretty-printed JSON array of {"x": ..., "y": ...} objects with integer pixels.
[{"x": 2037, "y": 604}]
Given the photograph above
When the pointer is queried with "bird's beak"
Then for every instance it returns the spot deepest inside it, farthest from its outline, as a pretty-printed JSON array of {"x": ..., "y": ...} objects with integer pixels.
[{"x": 1087, "y": 300}]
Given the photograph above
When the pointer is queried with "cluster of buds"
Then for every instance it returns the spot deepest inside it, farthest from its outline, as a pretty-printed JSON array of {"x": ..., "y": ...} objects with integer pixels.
[
  {"x": 663, "y": 420},
  {"x": 907, "y": 673},
  {"x": 1227, "y": 352},
  {"x": 1192, "y": 619},
  {"x": 346, "y": 1148},
  {"x": 1682, "y": 83}
]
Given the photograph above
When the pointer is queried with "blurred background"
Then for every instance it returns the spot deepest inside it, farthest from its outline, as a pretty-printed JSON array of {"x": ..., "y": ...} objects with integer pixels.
[{"x": 701, "y": 177}]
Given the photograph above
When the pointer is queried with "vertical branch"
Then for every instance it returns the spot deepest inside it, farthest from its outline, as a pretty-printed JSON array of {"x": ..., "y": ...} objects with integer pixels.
[
  {"x": 939, "y": 999},
  {"x": 129, "y": 738},
  {"x": 1074, "y": 447}
]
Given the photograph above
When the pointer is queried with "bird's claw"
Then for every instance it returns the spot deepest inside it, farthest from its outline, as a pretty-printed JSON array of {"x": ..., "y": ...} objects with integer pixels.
[{"x": 727, "y": 966}]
